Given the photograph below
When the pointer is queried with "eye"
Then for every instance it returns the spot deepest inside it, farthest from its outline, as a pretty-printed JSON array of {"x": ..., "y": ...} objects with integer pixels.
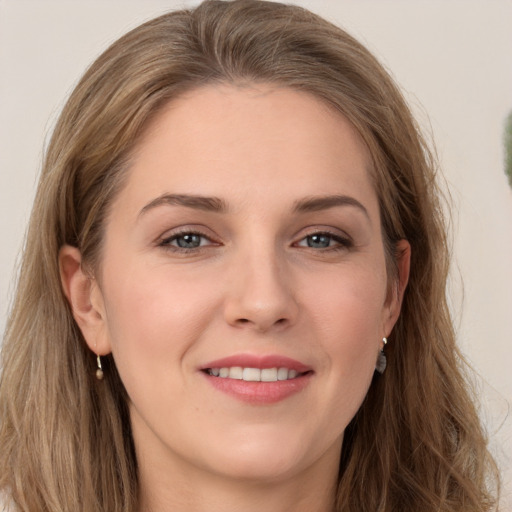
[
  {"x": 324, "y": 241},
  {"x": 186, "y": 240}
]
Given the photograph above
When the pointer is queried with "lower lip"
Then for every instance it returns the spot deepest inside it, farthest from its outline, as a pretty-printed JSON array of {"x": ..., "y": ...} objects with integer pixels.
[{"x": 260, "y": 392}]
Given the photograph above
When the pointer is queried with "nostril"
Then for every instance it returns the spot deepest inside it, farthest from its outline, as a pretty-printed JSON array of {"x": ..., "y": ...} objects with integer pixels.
[{"x": 246, "y": 321}]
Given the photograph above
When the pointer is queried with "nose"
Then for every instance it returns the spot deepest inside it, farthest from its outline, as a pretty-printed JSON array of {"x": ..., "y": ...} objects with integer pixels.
[{"x": 260, "y": 293}]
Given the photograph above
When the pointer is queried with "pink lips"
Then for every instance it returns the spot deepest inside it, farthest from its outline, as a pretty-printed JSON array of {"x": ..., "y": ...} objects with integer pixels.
[
  {"x": 259, "y": 392},
  {"x": 252, "y": 361}
]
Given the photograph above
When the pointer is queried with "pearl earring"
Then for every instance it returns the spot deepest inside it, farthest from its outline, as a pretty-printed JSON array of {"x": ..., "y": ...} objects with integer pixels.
[
  {"x": 381, "y": 358},
  {"x": 99, "y": 371}
]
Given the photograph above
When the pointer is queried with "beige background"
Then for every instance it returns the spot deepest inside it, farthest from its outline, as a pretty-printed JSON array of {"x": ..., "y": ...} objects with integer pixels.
[{"x": 454, "y": 62}]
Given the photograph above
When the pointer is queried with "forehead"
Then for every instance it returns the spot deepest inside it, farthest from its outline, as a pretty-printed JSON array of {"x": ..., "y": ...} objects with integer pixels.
[{"x": 221, "y": 138}]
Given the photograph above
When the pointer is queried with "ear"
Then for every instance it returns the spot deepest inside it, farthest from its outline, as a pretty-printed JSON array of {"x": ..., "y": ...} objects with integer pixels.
[
  {"x": 85, "y": 298},
  {"x": 396, "y": 292}
]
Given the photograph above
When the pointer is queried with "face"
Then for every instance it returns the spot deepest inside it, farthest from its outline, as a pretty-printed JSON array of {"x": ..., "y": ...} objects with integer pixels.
[{"x": 243, "y": 288}]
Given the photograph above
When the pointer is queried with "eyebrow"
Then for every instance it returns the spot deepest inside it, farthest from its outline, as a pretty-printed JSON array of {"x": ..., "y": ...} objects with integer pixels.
[
  {"x": 318, "y": 203},
  {"x": 218, "y": 205},
  {"x": 209, "y": 204}
]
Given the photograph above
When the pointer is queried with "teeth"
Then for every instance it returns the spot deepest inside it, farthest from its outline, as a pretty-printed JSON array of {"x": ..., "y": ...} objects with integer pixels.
[
  {"x": 251, "y": 374},
  {"x": 282, "y": 374},
  {"x": 269, "y": 375},
  {"x": 254, "y": 374},
  {"x": 236, "y": 372}
]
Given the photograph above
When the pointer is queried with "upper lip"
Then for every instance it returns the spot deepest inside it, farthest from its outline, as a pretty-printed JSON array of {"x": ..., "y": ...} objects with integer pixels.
[{"x": 258, "y": 361}]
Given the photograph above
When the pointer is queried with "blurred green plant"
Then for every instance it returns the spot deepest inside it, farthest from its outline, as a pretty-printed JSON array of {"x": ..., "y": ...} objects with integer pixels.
[{"x": 507, "y": 140}]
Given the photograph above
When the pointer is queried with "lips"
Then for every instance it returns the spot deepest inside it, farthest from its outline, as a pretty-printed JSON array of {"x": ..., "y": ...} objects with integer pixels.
[
  {"x": 258, "y": 379},
  {"x": 261, "y": 362}
]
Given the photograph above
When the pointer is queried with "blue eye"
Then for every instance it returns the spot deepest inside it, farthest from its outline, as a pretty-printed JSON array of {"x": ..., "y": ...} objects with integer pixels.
[
  {"x": 324, "y": 241},
  {"x": 188, "y": 240},
  {"x": 319, "y": 241}
]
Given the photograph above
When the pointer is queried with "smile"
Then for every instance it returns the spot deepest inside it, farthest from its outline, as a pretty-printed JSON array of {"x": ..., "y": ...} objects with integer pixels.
[
  {"x": 254, "y": 374},
  {"x": 262, "y": 379}
]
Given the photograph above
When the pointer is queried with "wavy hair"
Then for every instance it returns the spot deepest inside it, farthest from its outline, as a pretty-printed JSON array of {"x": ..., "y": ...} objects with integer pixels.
[{"x": 416, "y": 443}]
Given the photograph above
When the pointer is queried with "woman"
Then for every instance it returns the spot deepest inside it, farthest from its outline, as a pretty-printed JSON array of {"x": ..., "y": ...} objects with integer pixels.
[{"x": 233, "y": 290}]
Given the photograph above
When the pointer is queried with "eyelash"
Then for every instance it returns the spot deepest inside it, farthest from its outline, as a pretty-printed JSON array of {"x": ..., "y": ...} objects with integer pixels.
[
  {"x": 167, "y": 241},
  {"x": 341, "y": 243}
]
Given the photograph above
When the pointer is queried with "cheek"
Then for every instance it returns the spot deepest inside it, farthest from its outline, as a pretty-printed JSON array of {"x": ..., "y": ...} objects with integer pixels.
[
  {"x": 348, "y": 325},
  {"x": 349, "y": 306},
  {"x": 154, "y": 316}
]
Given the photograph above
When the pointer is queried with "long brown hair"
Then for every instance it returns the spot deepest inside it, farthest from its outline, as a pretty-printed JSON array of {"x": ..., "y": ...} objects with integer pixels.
[{"x": 416, "y": 444}]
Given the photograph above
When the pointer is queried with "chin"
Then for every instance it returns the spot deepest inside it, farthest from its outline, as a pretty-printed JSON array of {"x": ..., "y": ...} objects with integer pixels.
[
  {"x": 261, "y": 467},
  {"x": 267, "y": 456}
]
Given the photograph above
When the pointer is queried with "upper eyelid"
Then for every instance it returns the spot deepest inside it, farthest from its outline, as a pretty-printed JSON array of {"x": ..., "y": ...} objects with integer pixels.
[
  {"x": 182, "y": 232},
  {"x": 177, "y": 234},
  {"x": 342, "y": 240},
  {"x": 319, "y": 230},
  {"x": 195, "y": 229},
  {"x": 167, "y": 244}
]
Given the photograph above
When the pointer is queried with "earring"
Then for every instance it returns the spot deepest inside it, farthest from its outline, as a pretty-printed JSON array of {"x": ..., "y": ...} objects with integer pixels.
[
  {"x": 99, "y": 371},
  {"x": 381, "y": 358}
]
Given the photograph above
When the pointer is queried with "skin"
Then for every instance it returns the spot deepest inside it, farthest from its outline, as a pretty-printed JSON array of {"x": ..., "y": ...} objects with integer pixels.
[{"x": 256, "y": 284}]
